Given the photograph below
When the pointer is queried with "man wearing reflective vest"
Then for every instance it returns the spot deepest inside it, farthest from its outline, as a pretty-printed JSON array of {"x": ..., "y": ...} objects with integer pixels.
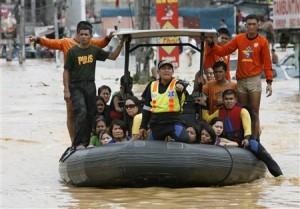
[
  {"x": 163, "y": 106},
  {"x": 237, "y": 127}
]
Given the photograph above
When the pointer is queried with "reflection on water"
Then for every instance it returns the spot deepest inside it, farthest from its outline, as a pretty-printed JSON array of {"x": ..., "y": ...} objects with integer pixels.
[{"x": 34, "y": 136}]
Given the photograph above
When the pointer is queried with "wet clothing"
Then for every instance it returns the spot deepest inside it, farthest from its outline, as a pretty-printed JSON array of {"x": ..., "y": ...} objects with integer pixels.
[
  {"x": 162, "y": 111},
  {"x": 81, "y": 63},
  {"x": 253, "y": 55}
]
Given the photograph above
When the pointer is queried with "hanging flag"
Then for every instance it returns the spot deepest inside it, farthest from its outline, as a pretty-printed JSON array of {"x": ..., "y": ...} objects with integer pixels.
[{"x": 167, "y": 18}]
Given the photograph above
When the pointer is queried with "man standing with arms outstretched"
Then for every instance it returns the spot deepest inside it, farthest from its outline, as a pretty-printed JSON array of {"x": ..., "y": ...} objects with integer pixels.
[
  {"x": 253, "y": 57},
  {"x": 64, "y": 45}
]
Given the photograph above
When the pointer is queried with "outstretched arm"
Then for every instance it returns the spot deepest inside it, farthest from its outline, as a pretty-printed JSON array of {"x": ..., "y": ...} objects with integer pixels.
[{"x": 115, "y": 54}]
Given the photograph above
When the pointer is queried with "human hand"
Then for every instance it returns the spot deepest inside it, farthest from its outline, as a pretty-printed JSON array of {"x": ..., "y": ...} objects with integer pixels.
[
  {"x": 269, "y": 89},
  {"x": 245, "y": 143},
  {"x": 200, "y": 101},
  {"x": 32, "y": 38},
  {"x": 110, "y": 35},
  {"x": 67, "y": 96},
  {"x": 179, "y": 87},
  {"x": 143, "y": 133}
]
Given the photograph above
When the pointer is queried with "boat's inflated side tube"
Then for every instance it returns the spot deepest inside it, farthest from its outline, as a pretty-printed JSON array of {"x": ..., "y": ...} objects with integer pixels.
[{"x": 158, "y": 163}]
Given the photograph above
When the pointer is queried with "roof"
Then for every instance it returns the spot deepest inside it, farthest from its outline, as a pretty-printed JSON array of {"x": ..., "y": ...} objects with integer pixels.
[{"x": 136, "y": 34}]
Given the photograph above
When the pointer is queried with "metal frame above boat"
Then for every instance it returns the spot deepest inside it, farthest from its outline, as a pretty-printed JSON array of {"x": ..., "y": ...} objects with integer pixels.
[{"x": 142, "y": 34}]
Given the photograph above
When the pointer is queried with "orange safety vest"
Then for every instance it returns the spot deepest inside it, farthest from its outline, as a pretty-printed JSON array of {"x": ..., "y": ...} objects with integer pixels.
[{"x": 167, "y": 101}]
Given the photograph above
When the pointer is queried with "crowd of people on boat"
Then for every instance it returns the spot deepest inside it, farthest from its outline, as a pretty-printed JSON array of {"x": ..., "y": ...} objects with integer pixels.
[{"x": 158, "y": 115}]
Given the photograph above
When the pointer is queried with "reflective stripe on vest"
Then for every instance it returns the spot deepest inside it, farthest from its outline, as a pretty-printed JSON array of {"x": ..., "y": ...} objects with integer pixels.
[{"x": 165, "y": 102}]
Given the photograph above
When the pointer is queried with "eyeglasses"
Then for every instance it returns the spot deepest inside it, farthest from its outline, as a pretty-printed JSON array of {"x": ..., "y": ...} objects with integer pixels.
[{"x": 129, "y": 106}]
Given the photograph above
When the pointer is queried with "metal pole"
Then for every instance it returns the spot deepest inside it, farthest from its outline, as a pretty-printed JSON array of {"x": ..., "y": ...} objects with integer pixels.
[
  {"x": 56, "y": 30},
  {"x": 22, "y": 32}
]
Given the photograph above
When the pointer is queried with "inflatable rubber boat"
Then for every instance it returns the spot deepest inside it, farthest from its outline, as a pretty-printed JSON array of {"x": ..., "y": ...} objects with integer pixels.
[{"x": 159, "y": 163}]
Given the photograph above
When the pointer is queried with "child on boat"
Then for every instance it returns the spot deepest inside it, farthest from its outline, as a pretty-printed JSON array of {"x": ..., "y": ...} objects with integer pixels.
[
  {"x": 104, "y": 137},
  {"x": 98, "y": 127}
]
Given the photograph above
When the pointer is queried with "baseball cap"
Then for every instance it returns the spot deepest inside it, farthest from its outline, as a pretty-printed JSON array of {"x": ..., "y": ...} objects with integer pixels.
[{"x": 164, "y": 62}]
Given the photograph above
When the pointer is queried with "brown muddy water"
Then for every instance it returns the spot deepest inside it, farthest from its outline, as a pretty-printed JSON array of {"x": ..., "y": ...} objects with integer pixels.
[{"x": 34, "y": 135}]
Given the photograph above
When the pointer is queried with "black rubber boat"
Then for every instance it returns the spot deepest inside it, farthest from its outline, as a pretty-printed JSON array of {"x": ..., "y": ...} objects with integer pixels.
[{"x": 159, "y": 163}]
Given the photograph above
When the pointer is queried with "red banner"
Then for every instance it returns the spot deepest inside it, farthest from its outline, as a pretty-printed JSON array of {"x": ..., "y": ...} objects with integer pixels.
[{"x": 167, "y": 18}]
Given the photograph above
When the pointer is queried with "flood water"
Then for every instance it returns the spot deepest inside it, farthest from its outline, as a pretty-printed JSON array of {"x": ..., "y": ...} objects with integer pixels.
[{"x": 34, "y": 135}]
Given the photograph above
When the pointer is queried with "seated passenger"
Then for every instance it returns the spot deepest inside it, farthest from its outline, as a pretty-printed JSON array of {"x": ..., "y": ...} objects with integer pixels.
[
  {"x": 208, "y": 135},
  {"x": 194, "y": 134},
  {"x": 105, "y": 92},
  {"x": 163, "y": 106},
  {"x": 104, "y": 137},
  {"x": 212, "y": 90},
  {"x": 101, "y": 107},
  {"x": 217, "y": 125},
  {"x": 99, "y": 126},
  {"x": 237, "y": 123},
  {"x": 117, "y": 130},
  {"x": 133, "y": 116},
  {"x": 116, "y": 109}
]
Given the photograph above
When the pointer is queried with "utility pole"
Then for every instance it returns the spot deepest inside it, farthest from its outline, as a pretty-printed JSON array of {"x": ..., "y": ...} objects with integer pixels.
[
  {"x": 22, "y": 32},
  {"x": 33, "y": 11},
  {"x": 56, "y": 30},
  {"x": 142, "y": 23}
]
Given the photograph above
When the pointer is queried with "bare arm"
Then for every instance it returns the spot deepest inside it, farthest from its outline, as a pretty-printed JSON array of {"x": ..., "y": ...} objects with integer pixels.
[
  {"x": 115, "y": 54},
  {"x": 66, "y": 81}
]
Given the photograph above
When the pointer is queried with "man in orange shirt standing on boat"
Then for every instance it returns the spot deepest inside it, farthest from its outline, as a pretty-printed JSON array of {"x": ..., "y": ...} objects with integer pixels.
[
  {"x": 253, "y": 57},
  {"x": 64, "y": 45}
]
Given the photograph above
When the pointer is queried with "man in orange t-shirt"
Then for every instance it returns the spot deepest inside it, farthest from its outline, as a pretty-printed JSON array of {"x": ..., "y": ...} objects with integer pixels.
[
  {"x": 253, "y": 57},
  {"x": 210, "y": 57},
  {"x": 213, "y": 90},
  {"x": 64, "y": 45}
]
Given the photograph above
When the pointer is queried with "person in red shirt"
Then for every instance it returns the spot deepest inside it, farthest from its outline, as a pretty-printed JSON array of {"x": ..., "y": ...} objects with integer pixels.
[
  {"x": 253, "y": 57},
  {"x": 64, "y": 45}
]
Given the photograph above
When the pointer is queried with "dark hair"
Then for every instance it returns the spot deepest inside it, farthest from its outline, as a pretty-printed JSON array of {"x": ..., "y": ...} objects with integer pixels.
[
  {"x": 224, "y": 31},
  {"x": 214, "y": 121},
  {"x": 84, "y": 26},
  {"x": 223, "y": 20},
  {"x": 251, "y": 16},
  {"x": 197, "y": 130},
  {"x": 102, "y": 133},
  {"x": 210, "y": 131},
  {"x": 118, "y": 123},
  {"x": 220, "y": 64},
  {"x": 228, "y": 92},
  {"x": 81, "y": 23},
  {"x": 96, "y": 120},
  {"x": 122, "y": 80},
  {"x": 103, "y": 87},
  {"x": 129, "y": 119},
  {"x": 101, "y": 99}
]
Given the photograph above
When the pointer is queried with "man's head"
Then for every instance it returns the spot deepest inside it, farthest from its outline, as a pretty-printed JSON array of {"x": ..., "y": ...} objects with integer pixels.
[
  {"x": 229, "y": 98},
  {"x": 223, "y": 37},
  {"x": 220, "y": 69},
  {"x": 252, "y": 23},
  {"x": 83, "y": 23},
  {"x": 165, "y": 70}
]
